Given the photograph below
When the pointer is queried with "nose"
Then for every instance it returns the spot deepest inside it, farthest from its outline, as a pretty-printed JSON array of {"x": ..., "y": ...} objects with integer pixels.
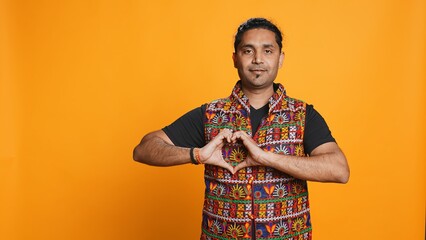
[{"x": 257, "y": 58}]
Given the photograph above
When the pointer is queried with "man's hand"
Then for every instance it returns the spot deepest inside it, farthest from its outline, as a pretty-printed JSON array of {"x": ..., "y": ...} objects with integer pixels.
[
  {"x": 326, "y": 163},
  {"x": 212, "y": 152}
]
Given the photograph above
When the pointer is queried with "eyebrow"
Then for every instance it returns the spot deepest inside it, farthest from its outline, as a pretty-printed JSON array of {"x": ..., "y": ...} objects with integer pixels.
[{"x": 267, "y": 45}]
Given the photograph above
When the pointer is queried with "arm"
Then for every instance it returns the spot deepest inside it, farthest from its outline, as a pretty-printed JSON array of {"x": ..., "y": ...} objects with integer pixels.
[
  {"x": 327, "y": 162},
  {"x": 157, "y": 149}
]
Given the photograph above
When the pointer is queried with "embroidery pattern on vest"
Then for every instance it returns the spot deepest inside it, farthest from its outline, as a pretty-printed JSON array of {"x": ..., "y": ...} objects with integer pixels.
[{"x": 256, "y": 202}]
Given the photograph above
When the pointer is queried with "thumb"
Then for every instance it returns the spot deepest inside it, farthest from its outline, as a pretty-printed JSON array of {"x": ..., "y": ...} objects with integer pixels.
[
  {"x": 240, "y": 166},
  {"x": 228, "y": 167}
]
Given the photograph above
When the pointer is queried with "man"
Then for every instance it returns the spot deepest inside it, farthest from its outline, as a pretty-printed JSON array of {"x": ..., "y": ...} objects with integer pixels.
[{"x": 258, "y": 146}]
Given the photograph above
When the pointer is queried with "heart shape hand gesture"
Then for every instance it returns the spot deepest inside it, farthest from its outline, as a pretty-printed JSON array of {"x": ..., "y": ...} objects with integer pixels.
[{"x": 212, "y": 152}]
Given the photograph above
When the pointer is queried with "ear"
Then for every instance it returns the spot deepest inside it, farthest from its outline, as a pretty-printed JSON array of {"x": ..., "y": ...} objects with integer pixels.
[
  {"x": 281, "y": 61},
  {"x": 234, "y": 59}
]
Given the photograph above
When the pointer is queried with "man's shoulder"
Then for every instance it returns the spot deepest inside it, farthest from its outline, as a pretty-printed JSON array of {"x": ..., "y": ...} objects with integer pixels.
[
  {"x": 217, "y": 103},
  {"x": 294, "y": 103},
  {"x": 226, "y": 99},
  {"x": 292, "y": 99}
]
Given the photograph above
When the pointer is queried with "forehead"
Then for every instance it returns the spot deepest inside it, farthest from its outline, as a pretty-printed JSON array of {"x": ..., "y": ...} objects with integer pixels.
[{"x": 258, "y": 37}]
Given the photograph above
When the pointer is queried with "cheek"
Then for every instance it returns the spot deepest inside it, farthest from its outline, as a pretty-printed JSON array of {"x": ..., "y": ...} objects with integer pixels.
[
  {"x": 239, "y": 64},
  {"x": 275, "y": 64}
]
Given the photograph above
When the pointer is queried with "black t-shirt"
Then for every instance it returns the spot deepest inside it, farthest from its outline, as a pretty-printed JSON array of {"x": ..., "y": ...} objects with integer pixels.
[{"x": 188, "y": 130}]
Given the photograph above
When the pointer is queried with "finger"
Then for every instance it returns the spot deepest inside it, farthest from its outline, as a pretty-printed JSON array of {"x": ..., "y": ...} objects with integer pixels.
[
  {"x": 228, "y": 167},
  {"x": 226, "y": 133},
  {"x": 244, "y": 136},
  {"x": 225, "y": 130},
  {"x": 248, "y": 142},
  {"x": 223, "y": 164},
  {"x": 240, "y": 135},
  {"x": 240, "y": 166},
  {"x": 236, "y": 135},
  {"x": 218, "y": 139},
  {"x": 228, "y": 138}
]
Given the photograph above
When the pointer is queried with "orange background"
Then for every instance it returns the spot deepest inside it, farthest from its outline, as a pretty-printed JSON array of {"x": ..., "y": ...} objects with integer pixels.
[{"x": 82, "y": 81}]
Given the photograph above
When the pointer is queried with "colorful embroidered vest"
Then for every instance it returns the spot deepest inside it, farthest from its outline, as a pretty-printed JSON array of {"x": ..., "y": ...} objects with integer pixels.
[{"x": 256, "y": 202}]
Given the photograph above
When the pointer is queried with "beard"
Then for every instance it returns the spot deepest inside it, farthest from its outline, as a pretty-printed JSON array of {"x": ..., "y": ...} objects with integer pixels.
[{"x": 255, "y": 80}]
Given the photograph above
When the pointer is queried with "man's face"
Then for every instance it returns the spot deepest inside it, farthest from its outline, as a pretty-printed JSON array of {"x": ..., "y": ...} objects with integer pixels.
[{"x": 257, "y": 59}]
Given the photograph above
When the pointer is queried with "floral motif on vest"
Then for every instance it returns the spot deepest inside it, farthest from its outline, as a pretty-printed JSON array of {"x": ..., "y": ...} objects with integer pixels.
[{"x": 256, "y": 202}]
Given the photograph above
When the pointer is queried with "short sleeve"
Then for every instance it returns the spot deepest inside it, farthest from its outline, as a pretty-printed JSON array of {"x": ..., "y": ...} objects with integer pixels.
[
  {"x": 316, "y": 130},
  {"x": 188, "y": 130}
]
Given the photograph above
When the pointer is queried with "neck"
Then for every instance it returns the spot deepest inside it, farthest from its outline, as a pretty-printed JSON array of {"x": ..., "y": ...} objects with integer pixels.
[{"x": 258, "y": 97}]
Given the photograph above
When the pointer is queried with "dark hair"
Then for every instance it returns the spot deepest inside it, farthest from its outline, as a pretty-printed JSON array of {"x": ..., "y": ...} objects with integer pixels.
[{"x": 254, "y": 23}]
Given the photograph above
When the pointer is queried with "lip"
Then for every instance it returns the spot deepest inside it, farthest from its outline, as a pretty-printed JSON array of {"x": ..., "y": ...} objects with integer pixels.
[{"x": 257, "y": 70}]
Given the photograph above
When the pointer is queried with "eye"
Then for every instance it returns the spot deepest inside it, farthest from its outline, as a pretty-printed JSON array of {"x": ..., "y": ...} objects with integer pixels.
[
  {"x": 247, "y": 51},
  {"x": 268, "y": 51}
]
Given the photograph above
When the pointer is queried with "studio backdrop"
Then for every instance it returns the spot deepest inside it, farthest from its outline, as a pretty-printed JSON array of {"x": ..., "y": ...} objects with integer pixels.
[{"x": 82, "y": 81}]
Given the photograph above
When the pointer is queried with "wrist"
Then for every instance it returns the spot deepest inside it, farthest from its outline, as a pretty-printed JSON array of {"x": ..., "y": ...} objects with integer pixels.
[
  {"x": 194, "y": 155},
  {"x": 196, "y": 158},
  {"x": 198, "y": 155},
  {"x": 266, "y": 158}
]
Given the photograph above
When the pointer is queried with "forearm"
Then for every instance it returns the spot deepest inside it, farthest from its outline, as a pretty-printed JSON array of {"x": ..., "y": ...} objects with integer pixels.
[
  {"x": 157, "y": 150},
  {"x": 323, "y": 167}
]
